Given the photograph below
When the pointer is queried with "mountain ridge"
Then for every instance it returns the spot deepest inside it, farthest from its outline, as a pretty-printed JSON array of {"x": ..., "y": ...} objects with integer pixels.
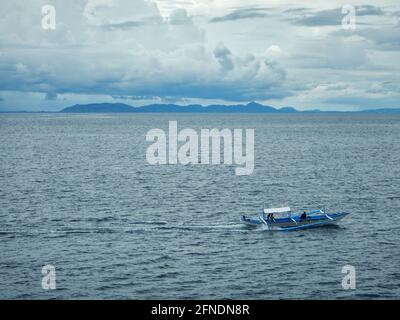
[{"x": 252, "y": 107}]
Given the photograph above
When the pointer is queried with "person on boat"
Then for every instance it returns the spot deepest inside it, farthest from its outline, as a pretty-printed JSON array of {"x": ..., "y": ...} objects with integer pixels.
[
  {"x": 270, "y": 217},
  {"x": 303, "y": 216}
]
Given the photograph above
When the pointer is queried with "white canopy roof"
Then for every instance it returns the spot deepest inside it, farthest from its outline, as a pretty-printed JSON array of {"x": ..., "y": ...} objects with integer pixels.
[{"x": 277, "y": 210}]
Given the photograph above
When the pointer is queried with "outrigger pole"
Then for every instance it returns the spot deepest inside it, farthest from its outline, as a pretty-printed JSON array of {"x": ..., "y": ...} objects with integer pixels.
[
  {"x": 263, "y": 221},
  {"x": 330, "y": 218},
  {"x": 293, "y": 220}
]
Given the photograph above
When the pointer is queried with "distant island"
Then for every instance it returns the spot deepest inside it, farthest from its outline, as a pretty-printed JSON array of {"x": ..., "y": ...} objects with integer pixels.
[{"x": 252, "y": 107}]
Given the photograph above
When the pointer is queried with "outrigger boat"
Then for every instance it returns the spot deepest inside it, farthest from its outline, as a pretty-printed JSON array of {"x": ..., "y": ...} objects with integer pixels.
[{"x": 282, "y": 219}]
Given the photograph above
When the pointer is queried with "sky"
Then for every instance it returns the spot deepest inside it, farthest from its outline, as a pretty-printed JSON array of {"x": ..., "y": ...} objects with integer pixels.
[{"x": 279, "y": 53}]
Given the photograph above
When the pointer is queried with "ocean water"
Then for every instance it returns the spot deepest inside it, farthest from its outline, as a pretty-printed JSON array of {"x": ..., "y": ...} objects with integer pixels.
[{"x": 77, "y": 193}]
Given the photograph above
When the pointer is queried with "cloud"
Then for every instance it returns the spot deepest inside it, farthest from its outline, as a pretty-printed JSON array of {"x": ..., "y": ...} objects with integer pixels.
[
  {"x": 330, "y": 17},
  {"x": 179, "y": 16},
  {"x": 224, "y": 57},
  {"x": 125, "y": 50},
  {"x": 123, "y": 25},
  {"x": 369, "y": 10},
  {"x": 384, "y": 39},
  {"x": 104, "y": 12},
  {"x": 52, "y": 96},
  {"x": 112, "y": 50},
  {"x": 248, "y": 13},
  {"x": 365, "y": 101}
]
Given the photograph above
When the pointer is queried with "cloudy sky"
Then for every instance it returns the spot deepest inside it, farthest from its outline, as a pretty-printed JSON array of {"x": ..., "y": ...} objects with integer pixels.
[{"x": 281, "y": 53}]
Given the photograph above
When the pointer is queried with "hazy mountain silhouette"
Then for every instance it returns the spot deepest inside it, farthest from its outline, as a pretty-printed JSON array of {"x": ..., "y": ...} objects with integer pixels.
[
  {"x": 99, "y": 107},
  {"x": 251, "y": 107}
]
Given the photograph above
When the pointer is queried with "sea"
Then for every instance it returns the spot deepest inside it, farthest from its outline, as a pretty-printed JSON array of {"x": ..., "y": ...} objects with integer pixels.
[{"x": 77, "y": 194}]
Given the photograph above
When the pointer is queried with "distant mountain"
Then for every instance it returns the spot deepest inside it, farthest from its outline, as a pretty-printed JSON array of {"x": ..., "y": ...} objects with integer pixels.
[
  {"x": 384, "y": 110},
  {"x": 251, "y": 107},
  {"x": 99, "y": 108}
]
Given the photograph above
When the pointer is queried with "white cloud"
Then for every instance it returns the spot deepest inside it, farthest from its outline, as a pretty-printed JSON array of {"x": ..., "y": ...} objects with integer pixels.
[{"x": 122, "y": 49}]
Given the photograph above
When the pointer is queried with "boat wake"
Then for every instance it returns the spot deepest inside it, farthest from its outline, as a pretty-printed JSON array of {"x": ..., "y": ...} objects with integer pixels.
[{"x": 117, "y": 227}]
